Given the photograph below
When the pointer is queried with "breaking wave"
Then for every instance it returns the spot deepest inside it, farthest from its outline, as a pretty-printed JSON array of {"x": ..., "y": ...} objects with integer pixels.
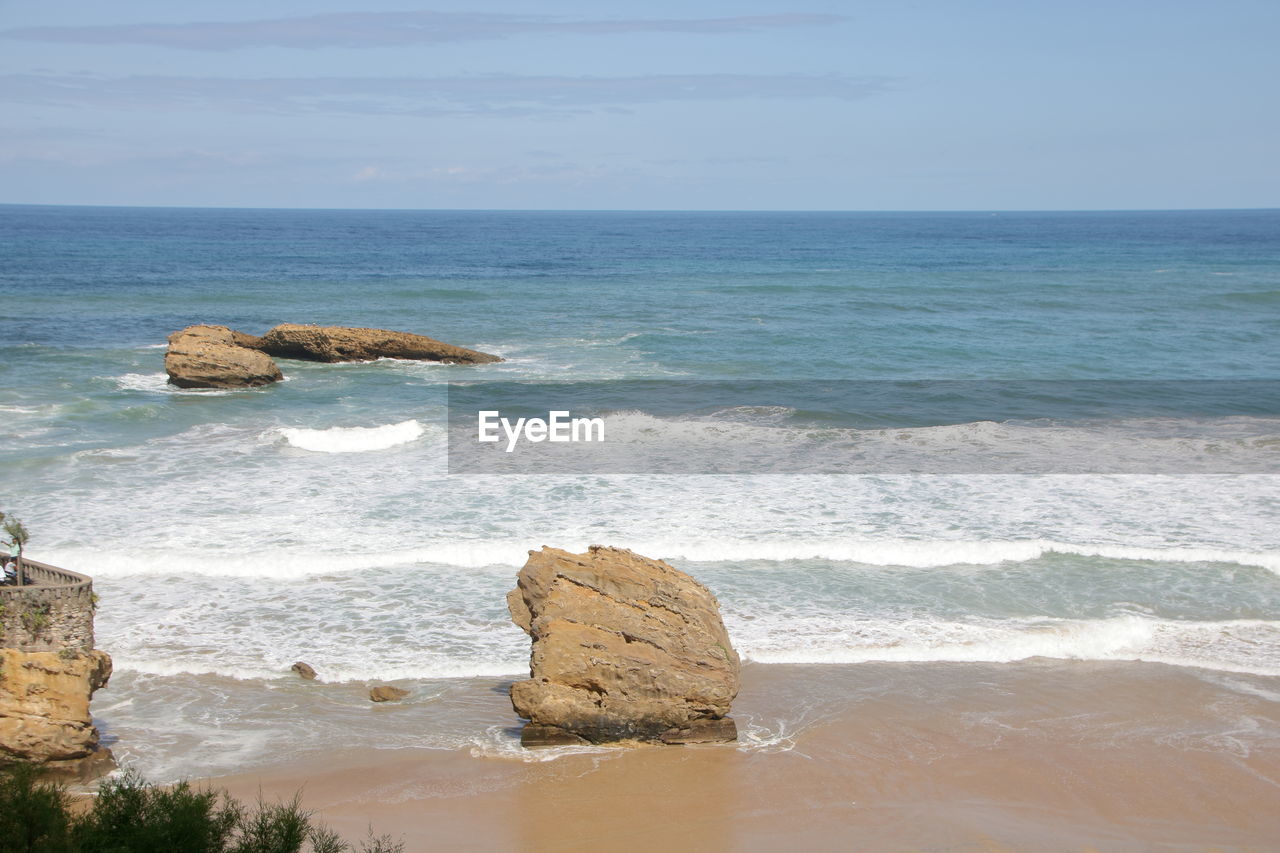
[
  {"x": 1226, "y": 646},
  {"x": 352, "y": 439}
]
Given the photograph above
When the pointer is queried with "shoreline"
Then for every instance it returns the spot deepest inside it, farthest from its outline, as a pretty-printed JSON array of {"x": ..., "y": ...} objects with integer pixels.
[{"x": 1039, "y": 755}]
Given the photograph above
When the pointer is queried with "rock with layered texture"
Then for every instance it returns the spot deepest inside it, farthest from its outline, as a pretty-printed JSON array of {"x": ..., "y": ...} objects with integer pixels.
[
  {"x": 342, "y": 343},
  {"x": 44, "y": 704},
  {"x": 624, "y": 648},
  {"x": 214, "y": 357}
]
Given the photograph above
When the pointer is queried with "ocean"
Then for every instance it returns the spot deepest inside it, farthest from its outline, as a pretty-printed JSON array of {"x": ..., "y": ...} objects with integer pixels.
[{"x": 231, "y": 533}]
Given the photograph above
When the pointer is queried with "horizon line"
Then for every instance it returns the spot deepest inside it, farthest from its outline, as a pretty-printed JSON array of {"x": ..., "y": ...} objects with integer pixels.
[{"x": 992, "y": 210}]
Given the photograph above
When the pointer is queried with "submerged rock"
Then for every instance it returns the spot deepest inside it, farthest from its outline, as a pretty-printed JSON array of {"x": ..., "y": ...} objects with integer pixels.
[
  {"x": 44, "y": 704},
  {"x": 210, "y": 357},
  {"x": 342, "y": 343},
  {"x": 624, "y": 648},
  {"x": 386, "y": 693}
]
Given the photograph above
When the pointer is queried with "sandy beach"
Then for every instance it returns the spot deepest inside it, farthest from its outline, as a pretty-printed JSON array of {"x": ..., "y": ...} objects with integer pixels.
[{"x": 1042, "y": 755}]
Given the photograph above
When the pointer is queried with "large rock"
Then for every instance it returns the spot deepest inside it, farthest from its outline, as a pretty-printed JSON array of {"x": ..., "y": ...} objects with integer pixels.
[
  {"x": 341, "y": 343},
  {"x": 44, "y": 703},
  {"x": 213, "y": 357},
  {"x": 624, "y": 648}
]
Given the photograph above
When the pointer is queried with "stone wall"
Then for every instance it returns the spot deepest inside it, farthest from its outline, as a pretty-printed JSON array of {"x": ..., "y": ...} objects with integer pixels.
[{"x": 54, "y": 612}]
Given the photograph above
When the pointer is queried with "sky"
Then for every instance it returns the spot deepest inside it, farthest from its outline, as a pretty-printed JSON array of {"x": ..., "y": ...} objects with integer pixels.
[{"x": 696, "y": 105}]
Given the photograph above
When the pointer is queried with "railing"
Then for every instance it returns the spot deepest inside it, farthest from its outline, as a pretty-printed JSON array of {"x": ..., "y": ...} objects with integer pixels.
[
  {"x": 52, "y": 610},
  {"x": 43, "y": 574}
]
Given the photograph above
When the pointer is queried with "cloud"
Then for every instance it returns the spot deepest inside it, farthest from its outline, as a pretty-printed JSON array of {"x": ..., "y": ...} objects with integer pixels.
[
  {"x": 499, "y": 95},
  {"x": 393, "y": 29}
]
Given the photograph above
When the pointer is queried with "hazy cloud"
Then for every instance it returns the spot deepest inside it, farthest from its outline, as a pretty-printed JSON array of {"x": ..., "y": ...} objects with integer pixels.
[
  {"x": 392, "y": 29},
  {"x": 504, "y": 95}
]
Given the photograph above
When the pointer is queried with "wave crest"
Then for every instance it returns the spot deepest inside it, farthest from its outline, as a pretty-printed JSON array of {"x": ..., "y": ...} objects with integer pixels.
[{"x": 352, "y": 439}]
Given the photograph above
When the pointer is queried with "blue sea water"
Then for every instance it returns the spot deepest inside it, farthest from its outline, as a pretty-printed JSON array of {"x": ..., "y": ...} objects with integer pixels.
[{"x": 231, "y": 533}]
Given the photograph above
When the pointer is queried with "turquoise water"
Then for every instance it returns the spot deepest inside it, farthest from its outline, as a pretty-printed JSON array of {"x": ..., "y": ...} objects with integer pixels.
[{"x": 231, "y": 533}]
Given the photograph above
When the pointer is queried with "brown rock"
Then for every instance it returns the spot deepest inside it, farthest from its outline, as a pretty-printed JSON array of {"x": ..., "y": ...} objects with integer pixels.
[
  {"x": 209, "y": 357},
  {"x": 304, "y": 670},
  {"x": 534, "y": 734},
  {"x": 386, "y": 693},
  {"x": 624, "y": 648},
  {"x": 242, "y": 339},
  {"x": 44, "y": 703},
  {"x": 341, "y": 343},
  {"x": 80, "y": 771},
  {"x": 703, "y": 731}
]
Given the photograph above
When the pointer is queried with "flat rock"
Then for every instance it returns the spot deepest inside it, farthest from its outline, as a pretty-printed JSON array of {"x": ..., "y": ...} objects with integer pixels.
[
  {"x": 210, "y": 357},
  {"x": 624, "y": 648},
  {"x": 343, "y": 343}
]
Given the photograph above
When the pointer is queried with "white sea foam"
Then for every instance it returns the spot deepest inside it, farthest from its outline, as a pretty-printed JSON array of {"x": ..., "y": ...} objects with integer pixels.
[
  {"x": 1247, "y": 687},
  {"x": 1239, "y": 646},
  {"x": 501, "y": 743},
  {"x": 776, "y": 736},
  {"x": 293, "y": 563},
  {"x": 330, "y": 668},
  {"x": 929, "y": 554},
  {"x": 144, "y": 382},
  {"x": 179, "y": 666},
  {"x": 281, "y": 563},
  {"x": 494, "y": 648},
  {"x": 352, "y": 439},
  {"x": 158, "y": 383}
]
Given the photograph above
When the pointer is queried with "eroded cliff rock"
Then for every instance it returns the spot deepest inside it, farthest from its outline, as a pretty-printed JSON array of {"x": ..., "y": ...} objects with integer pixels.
[
  {"x": 624, "y": 648},
  {"x": 342, "y": 343},
  {"x": 44, "y": 703},
  {"x": 213, "y": 357}
]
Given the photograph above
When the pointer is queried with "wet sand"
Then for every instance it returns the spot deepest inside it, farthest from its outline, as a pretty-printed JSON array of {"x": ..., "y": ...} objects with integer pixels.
[{"x": 1039, "y": 755}]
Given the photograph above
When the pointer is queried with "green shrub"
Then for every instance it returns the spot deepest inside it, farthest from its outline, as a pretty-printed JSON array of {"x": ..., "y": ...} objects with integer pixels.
[
  {"x": 279, "y": 828},
  {"x": 380, "y": 844},
  {"x": 34, "y": 816},
  {"x": 129, "y": 815}
]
